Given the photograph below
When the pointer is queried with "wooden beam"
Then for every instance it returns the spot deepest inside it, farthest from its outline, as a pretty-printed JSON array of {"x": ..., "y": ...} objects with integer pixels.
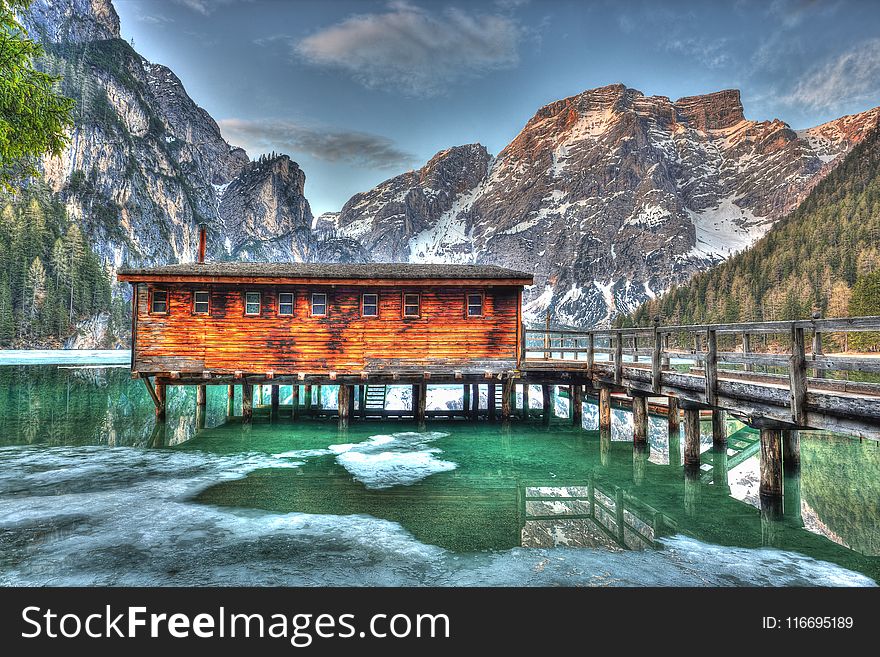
[
  {"x": 656, "y": 364},
  {"x": 466, "y": 399},
  {"x": 299, "y": 280},
  {"x": 276, "y": 401},
  {"x": 247, "y": 404},
  {"x": 153, "y": 395},
  {"x": 771, "y": 464},
  {"x": 692, "y": 439},
  {"x": 546, "y": 403},
  {"x": 343, "y": 397},
  {"x": 201, "y": 395},
  {"x": 640, "y": 420},
  {"x": 711, "y": 368},
  {"x": 230, "y": 400},
  {"x": 672, "y": 415},
  {"x": 791, "y": 452},
  {"x": 719, "y": 427},
  {"x": 507, "y": 390},
  {"x": 591, "y": 350},
  {"x": 605, "y": 408},
  {"x": 618, "y": 359},
  {"x": 577, "y": 405},
  {"x": 798, "y": 377},
  {"x": 475, "y": 401}
]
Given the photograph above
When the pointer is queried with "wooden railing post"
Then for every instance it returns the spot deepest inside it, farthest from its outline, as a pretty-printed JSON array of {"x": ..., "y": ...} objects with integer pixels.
[
  {"x": 747, "y": 349},
  {"x": 635, "y": 347},
  {"x": 547, "y": 338},
  {"x": 798, "y": 376},
  {"x": 591, "y": 351},
  {"x": 817, "y": 351},
  {"x": 711, "y": 367},
  {"x": 655, "y": 358},
  {"x": 618, "y": 358},
  {"x": 664, "y": 362}
]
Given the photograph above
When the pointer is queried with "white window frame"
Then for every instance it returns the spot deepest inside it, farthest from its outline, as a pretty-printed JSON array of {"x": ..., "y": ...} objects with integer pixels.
[
  {"x": 291, "y": 303},
  {"x": 259, "y": 303},
  {"x": 417, "y": 304},
  {"x": 364, "y": 304},
  {"x": 326, "y": 304}
]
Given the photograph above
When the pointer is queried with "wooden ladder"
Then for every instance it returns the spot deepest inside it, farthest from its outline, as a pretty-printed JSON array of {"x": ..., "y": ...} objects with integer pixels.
[{"x": 375, "y": 398}]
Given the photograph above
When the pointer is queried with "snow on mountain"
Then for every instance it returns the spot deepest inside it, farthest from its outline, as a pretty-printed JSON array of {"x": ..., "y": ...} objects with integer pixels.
[{"x": 608, "y": 197}]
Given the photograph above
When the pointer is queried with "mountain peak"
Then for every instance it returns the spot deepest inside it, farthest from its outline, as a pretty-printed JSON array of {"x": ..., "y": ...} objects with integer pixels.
[
  {"x": 714, "y": 111},
  {"x": 72, "y": 21}
]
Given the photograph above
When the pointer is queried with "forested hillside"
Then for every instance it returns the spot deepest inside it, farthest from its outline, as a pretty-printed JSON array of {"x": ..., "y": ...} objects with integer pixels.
[
  {"x": 820, "y": 258},
  {"x": 49, "y": 277}
]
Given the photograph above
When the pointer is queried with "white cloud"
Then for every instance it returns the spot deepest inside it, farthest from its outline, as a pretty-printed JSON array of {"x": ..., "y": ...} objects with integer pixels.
[
  {"x": 853, "y": 75},
  {"x": 713, "y": 53},
  {"x": 413, "y": 50},
  {"x": 350, "y": 147},
  {"x": 203, "y": 7}
]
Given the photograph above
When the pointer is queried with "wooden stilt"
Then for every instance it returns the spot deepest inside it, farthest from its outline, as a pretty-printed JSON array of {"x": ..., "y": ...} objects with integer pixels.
[
  {"x": 577, "y": 406},
  {"x": 351, "y": 396},
  {"x": 641, "y": 452},
  {"x": 307, "y": 400},
  {"x": 672, "y": 415},
  {"x": 294, "y": 402},
  {"x": 161, "y": 391},
  {"x": 507, "y": 391},
  {"x": 276, "y": 400},
  {"x": 491, "y": 401},
  {"x": 771, "y": 465},
  {"x": 692, "y": 439},
  {"x": 525, "y": 401},
  {"x": 640, "y": 420},
  {"x": 675, "y": 447},
  {"x": 419, "y": 397},
  {"x": 201, "y": 395},
  {"x": 791, "y": 451},
  {"x": 604, "y": 408},
  {"x": 719, "y": 467},
  {"x": 546, "y": 403},
  {"x": 247, "y": 403},
  {"x": 362, "y": 400},
  {"x": 318, "y": 397},
  {"x": 719, "y": 428},
  {"x": 259, "y": 390},
  {"x": 466, "y": 399},
  {"x": 230, "y": 400},
  {"x": 475, "y": 401},
  {"x": 604, "y": 445},
  {"x": 342, "y": 405}
]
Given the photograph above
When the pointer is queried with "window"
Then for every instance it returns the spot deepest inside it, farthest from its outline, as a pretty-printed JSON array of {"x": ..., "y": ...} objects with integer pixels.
[
  {"x": 475, "y": 305},
  {"x": 201, "y": 302},
  {"x": 252, "y": 303},
  {"x": 369, "y": 305},
  {"x": 159, "y": 305},
  {"x": 411, "y": 305},
  {"x": 285, "y": 303},
  {"x": 319, "y": 304}
]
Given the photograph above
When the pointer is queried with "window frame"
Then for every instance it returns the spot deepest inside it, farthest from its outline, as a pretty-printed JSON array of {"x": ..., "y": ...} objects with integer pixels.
[
  {"x": 195, "y": 303},
  {"x": 259, "y": 301},
  {"x": 280, "y": 303},
  {"x": 418, "y": 304},
  {"x": 326, "y": 304},
  {"x": 467, "y": 305},
  {"x": 363, "y": 304},
  {"x": 167, "y": 294}
]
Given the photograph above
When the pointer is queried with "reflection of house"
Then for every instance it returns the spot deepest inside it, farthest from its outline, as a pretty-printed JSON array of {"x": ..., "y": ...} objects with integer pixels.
[{"x": 590, "y": 516}]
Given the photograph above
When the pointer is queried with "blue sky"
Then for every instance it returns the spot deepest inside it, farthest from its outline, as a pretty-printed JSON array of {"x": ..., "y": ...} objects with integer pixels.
[{"x": 358, "y": 91}]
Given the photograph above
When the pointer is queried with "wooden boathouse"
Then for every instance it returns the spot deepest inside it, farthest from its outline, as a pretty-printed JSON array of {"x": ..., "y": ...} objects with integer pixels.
[{"x": 362, "y": 326}]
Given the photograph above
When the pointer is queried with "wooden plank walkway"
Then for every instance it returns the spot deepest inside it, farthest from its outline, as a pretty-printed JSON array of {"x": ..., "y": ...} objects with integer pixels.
[{"x": 715, "y": 366}]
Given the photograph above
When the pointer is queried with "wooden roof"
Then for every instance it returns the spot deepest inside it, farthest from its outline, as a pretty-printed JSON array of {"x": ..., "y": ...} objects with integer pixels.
[{"x": 353, "y": 274}]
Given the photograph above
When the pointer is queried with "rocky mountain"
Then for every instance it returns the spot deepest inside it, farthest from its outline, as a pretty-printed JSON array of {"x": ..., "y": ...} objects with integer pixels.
[
  {"x": 609, "y": 197},
  {"x": 145, "y": 164}
]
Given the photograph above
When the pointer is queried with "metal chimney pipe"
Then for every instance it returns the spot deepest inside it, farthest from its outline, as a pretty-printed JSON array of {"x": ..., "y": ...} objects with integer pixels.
[{"x": 203, "y": 241}]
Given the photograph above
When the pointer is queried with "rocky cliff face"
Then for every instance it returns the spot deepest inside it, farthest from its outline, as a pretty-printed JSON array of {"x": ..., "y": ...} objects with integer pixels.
[
  {"x": 146, "y": 165},
  {"x": 609, "y": 197}
]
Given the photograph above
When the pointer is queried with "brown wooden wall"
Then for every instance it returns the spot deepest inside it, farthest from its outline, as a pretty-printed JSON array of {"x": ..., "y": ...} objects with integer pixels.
[{"x": 343, "y": 341}]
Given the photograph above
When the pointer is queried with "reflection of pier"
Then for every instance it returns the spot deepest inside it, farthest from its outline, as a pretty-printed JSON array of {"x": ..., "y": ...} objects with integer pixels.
[{"x": 590, "y": 516}]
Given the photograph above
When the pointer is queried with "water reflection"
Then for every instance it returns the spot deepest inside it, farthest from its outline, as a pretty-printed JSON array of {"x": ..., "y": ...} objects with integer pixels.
[{"x": 473, "y": 487}]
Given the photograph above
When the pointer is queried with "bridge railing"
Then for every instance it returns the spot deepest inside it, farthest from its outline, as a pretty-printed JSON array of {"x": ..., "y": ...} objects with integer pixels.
[{"x": 782, "y": 345}]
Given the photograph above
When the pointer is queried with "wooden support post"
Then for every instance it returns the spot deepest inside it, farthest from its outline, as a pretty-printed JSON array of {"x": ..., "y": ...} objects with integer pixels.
[
  {"x": 420, "y": 397},
  {"x": 711, "y": 368},
  {"x": 508, "y": 390},
  {"x": 525, "y": 401},
  {"x": 791, "y": 451},
  {"x": 547, "y": 338},
  {"x": 276, "y": 400},
  {"x": 362, "y": 400},
  {"x": 635, "y": 348},
  {"x": 247, "y": 404},
  {"x": 319, "y": 398},
  {"x": 692, "y": 439},
  {"x": 664, "y": 361},
  {"x": 475, "y": 401},
  {"x": 230, "y": 400},
  {"x": 674, "y": 435},
  {"x": 641, "y": 453},
  {"x": 618, "y": 358},
  {"x": 640, "y": 420},
  {"x": 161, "y": 392},
  {"x": 577, "y": 405},
  {"x": 771, "y": 467},
  {"x": 491, "y": 401},
  {"x": 466, "y": 399},
  {"x": 604, "y": 408},
  {"x": 747, "y": 349},
  {"x": 798, "y": 376},
  {"x": 696, "y": 343},
  {"x": 719, "y": 428},
  {"x": 591, "y": 351},
  {"x": 342, "y": 404},
  {"x": 817, "y": 351},
  {"x": 260, "y": 395},
  {"x": 547, "y": 401},
  {"x": 307, "y": 401},
  {"x": 294, "y": 401},
  {"x": 201, "y": 395},
  {"x": 656, "y": 365}
]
